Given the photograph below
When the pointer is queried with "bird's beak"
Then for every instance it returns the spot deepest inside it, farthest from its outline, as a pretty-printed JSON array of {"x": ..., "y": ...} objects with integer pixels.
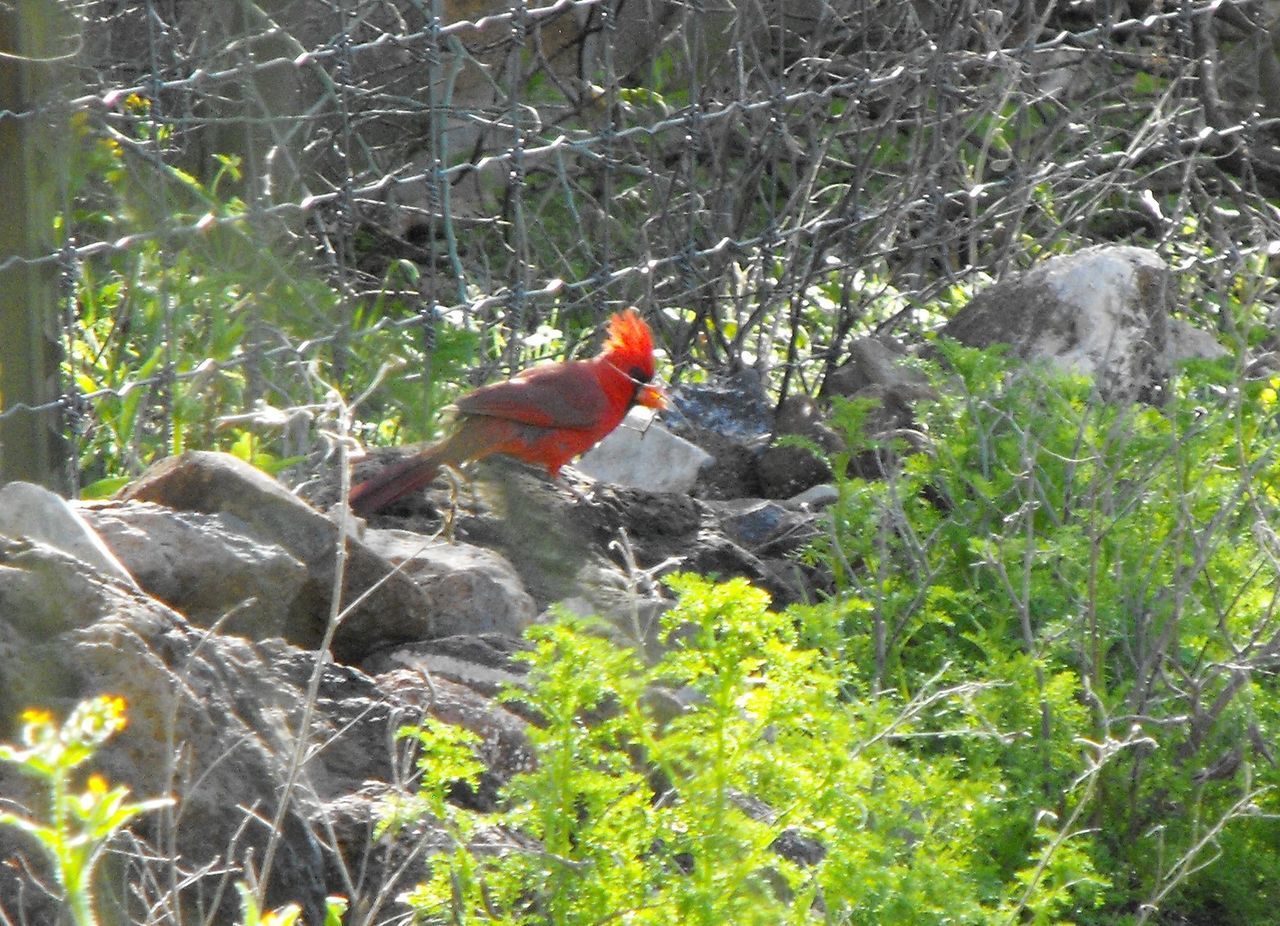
[{"x": 651, "y": 397}]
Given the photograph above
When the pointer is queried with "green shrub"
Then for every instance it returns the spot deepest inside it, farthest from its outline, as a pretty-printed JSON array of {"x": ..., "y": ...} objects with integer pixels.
[
  {"x": 75, "y": 826},
  {"x": 1110, "y": 572},
  {"x": 653, "y": 815},
  {"x": 1041, "y": 693}
]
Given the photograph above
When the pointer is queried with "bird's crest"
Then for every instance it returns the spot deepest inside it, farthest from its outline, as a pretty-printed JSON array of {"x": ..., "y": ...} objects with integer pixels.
[{"x": 630, "y": 341}]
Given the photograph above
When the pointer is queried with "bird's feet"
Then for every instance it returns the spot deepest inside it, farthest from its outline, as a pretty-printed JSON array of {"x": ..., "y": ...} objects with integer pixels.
[{"x": 569, "y": 478}]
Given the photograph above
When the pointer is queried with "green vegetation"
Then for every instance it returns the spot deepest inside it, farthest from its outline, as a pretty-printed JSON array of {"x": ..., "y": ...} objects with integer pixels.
[
  {"x": 1043, "y": 690},
  {"x": 79, "y": 821},
  {"x": 1042, "y": 694}
]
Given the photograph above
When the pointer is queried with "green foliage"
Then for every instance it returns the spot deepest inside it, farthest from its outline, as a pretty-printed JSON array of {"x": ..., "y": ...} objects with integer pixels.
[
  {"x": 252, "y": 913},
  {"x": 650, "y": 813},
  {"x": 1042, "y": 694},
  {"x": 446, "y": 758},
  {"x": 1108, "y": 570},
  {"x": 79, "y": 823},
  {"x": 185, "y": 335}
]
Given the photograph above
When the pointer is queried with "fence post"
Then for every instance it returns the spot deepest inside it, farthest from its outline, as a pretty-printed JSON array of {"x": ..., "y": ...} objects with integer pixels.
[{"x": 33, "y": 43}]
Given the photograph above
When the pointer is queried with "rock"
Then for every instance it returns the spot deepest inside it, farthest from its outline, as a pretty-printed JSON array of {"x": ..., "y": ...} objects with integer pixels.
[
  {"x": 792, "y": 844},
  {"x": 814, "y": 498},
  {"x": 713, "y": 554},
  {"x": 539, "y": 527},
  {"x": 504, "y": 744},
  {"x": 213, "y": 720},
  {"x": 877, "y": 375},
  {"x": 378, "y": 868},
  {"x": 786, "y": 469},
  {"x": 1103, "y": 311},
  {"x": 732, "y": 472},
  {"x": 805, "y": 582},
  {"x": 1187, "y": 342},
  {"x": 877, "y": 362},
  {"x": 394, "y": 611},
  {"x": 485, "y": 649},
  {"x": 550, "y": 537},
  {"x": 469, "y": 590},
  {"x": 876, "y": 370},
  {"x": 630, "y": 604},
  {"x": 571, "y": 550},
  {"x": 230, "y": 707},
  {"x": 735, "y": 406},
  {"x": 730, "y": 419},
  {"x": 208, "y": 567},
  {"x": 750, "y": 521},
  {"x": 648, "y": 517},
  {"x": 29, "y": 510},
  {"x": 644, "y": 454},
  {"x": 680, "y": 531},
  {"x": 44, "y": 593},
  {"x": 765, "y": 526},
  {"x": 800, "y": 416},
  {"x": 481, "y": 662}
]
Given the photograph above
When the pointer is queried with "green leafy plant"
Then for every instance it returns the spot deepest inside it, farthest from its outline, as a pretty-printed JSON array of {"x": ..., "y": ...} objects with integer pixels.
[
  {"x": 1102, "y": 566},
  {"x": 1041, "y": 694},
  {"x": 289, "y": 915},
  {"x": 79, "y": 821},
  {"x": 732, "y": 781}
]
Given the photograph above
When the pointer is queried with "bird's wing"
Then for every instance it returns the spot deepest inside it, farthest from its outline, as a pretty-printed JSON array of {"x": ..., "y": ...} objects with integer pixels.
[{"x": 554, "y": 395}]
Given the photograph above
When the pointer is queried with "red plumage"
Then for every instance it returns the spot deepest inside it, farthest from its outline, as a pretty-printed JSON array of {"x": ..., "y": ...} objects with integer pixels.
[{"x": 547, "y": 414}]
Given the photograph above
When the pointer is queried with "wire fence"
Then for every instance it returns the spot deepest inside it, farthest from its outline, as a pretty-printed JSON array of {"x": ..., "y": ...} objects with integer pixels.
[{"x": 250, "y": 206}]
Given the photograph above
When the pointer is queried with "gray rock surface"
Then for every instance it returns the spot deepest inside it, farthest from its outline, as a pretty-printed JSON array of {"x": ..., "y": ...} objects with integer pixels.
[
  {"x": 29, "y": 510},
  {"x": 468, "y": 589},
  {"x": 208, "y": 567},
  {"x": 216, "y": 721},
  {"x": 1103, "y": 311},
  {"x": 392, "y": 608},
  {"x": 645, "y": 455},
  {"x": 210, "y": 719}
]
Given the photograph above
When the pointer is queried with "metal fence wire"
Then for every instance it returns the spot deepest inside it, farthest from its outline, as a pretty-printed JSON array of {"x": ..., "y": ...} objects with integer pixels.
[{"x": 242, "y": 209}]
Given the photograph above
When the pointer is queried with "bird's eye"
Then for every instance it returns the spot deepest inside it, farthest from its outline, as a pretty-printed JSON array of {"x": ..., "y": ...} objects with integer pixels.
[{"x": 638, "y": 375}]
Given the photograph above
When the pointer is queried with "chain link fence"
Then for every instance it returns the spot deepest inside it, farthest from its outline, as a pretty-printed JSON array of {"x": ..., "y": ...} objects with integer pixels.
[{"x": 230, "y": 213}]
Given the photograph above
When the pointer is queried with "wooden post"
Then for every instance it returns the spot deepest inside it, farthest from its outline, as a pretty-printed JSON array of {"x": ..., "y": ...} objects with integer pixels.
[{"x": 34, "y": 40}]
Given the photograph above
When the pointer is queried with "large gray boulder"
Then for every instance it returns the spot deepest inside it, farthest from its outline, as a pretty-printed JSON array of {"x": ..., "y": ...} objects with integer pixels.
[
  {"x": 385, "y": 606},
  {"x": 1104, "y": 311},
  {"x": 220, "y": 724},
  {"x": 469, "y": 590},
  {"x": 209, "y": 567},
  {"x": 32, "y": 511}
]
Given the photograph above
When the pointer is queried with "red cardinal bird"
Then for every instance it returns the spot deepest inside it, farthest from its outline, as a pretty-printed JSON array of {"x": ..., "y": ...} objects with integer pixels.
[{"x": 548, "y": 414}]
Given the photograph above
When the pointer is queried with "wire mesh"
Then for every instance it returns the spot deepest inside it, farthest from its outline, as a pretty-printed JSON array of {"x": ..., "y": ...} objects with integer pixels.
[{"x": 261, "y": 203}]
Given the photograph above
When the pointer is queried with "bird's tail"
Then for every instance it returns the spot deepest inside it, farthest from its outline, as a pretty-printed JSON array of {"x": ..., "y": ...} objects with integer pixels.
[
  {"x": 396, "y": 481},
  {"x": 476, "y": 438}
]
